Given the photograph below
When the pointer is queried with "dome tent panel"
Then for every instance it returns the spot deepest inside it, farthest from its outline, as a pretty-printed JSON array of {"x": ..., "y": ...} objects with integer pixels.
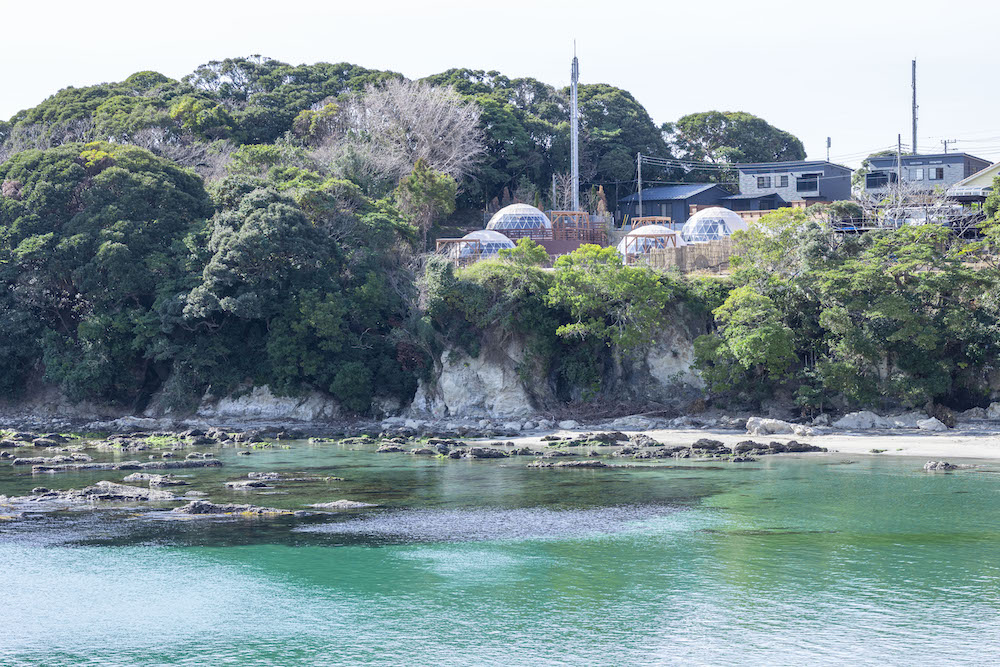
[
  {"x": 645, "y": 239},
  {"x": 518, "y": 219},
  {"x": 712, "y": 224},
  {"x": 482, "y": 244}
]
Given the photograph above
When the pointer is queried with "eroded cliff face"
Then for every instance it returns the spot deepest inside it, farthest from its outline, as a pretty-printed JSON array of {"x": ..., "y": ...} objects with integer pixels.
[
  {"x": 669, "y": 365},
  {"x": 490, "y": 385},
  {"x": 498, "y": 383},
  {"x": 260, "y": 404}
]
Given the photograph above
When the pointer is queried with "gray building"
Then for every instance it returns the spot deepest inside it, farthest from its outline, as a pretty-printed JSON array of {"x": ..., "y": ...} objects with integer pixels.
[
  {"x": 929, "y": 173},
  {"x": 800, "y": 180},
  {"x": 673, "y": 201}
]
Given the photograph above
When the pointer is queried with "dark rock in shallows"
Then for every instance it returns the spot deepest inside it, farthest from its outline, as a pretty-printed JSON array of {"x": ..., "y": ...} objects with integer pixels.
[
  {"x": 204, "y": 507},
  {"x": 247, "y": 484},
  {"x": 939, "y": 465},
  {"x": 485, "y": 453},
  {"x": 389, "y": 449},
  {"x": 266, "y": 476},
  {"x": 588, "y": 463}
]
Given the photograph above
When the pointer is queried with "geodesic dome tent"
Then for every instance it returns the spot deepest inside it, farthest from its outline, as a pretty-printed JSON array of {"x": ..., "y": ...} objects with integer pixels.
[
  {"x": 712, "y": 224},
  {"x": 645, "y": 239},
  {"x": 521, "y": 220},
  {"x": 481, "y": 244}
]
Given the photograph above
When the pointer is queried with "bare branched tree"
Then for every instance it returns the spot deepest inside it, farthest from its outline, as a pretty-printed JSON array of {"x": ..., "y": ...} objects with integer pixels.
[
  {"x": 563, "y": 193},
  {"x": 383, "y": 132},
  {"x": 208, "y": 160},
  {"x": 40, "y": 136}
]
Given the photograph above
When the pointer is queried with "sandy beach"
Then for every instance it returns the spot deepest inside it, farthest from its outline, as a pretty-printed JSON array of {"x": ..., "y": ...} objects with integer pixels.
[{"x": 974, "y": 443}]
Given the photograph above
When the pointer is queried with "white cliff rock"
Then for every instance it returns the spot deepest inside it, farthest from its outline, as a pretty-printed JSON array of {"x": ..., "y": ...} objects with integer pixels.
[
  {"x": 671, "y": 360},
  {"x": 260, "y": 403},
  {"x": 467, "y": 386},
  {"x": 866, "y": 420}
]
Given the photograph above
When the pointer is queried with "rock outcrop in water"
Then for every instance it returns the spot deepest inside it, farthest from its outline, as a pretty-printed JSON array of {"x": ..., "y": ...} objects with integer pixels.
[
  {"x": 207, "y": 508},
  {"x": 128, "y": 465},
  {"x": 103, "y": 491},
  {"x": 342, "y": 505}
]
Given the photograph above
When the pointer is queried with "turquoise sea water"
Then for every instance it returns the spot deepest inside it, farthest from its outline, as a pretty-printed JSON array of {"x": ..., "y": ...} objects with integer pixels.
[{"x": 786, "y": 561}]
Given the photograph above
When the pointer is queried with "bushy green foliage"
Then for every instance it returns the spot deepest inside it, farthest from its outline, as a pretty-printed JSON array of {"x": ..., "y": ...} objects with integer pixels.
[
  {"x": 893, "y": 316},
  {"x": 573, "y": 318},
  {"x": 88, "y": 238},
  {"x": 732, "y": 136},
  {"x": 426, "y": 195}
]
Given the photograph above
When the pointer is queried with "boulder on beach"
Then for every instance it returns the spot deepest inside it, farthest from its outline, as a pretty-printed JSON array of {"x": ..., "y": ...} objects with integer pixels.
[
  {"x": 569, "y": 424},
  {"x": 765, "y": 426},
  {"x": 932, "y": 424},
  {"x": 632, "y": 423}
]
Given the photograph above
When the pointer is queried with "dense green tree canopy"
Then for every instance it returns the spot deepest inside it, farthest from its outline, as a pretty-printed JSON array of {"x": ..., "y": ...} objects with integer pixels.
[
  {"x": 730, "y": 137},
  {"x": 88, "y": 237}
]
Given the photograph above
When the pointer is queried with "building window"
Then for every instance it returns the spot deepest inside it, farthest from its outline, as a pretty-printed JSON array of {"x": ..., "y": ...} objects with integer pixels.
[
  {"x": 879, "y": 179},
  {"x": 935, "y": 174},
  {"x": 782, "y": 181},
  {"x": 807, "y": 183},
  {"x": 916, "y": 174},
  {"x": 763, "y": 182}
]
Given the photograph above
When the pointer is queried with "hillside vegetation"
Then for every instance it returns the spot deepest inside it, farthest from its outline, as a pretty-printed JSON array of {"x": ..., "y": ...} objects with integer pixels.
[{"x": 262, "y": 223}]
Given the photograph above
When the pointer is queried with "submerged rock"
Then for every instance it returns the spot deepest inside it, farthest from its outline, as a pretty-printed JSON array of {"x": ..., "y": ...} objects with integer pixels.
[
  {"x": 101, "y": 491},
  {"x": 154, "y": 480},
  {"x": 266, "y": 476},
  {"x": 247, "y": 484},
  {"x": 485, "y": 453},
  {"x": 342, "y": 505},
  {"x": 206, "y": 508},
  {"x": 588, "y": 463},
  {"x": 129, "y": 465}
]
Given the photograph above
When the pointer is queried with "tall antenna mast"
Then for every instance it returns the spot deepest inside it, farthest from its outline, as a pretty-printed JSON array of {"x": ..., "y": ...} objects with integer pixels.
[
  {"x": 914, "y": 145},
  {"x": 574, "y": 131}
]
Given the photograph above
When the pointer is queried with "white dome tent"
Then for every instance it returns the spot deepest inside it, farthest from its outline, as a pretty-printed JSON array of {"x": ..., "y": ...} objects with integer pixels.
[
  {"x": 521, "y": 220},
  {"x": 712, "y": 224},
  {"x": 643, "y": 240},
  {"x": 481, "y": 244}
]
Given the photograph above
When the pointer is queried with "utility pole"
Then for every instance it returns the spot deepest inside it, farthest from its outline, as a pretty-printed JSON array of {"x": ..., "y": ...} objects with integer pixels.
[
  {"x": 914, "y": 144},
  {"x": 948, "y": 141},
  {"x": 575, "y": 130},
  {"x": 638, "y": 161},
  {"x": 828, "y": 149},
  {"x": 555, "y": 206},
  {"x": 899, "y": 168}
]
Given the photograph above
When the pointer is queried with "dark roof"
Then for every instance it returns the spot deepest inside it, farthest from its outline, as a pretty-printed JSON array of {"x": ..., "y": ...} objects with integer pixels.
[
  {"x": 770, "y": 195},
  {"x": 791, "y": 164},
  {"x": 664, "y": 192},
  {"x": 921, "y": 156}
]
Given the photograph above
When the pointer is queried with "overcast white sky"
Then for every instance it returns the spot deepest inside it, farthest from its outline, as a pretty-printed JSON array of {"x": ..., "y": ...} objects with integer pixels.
[{"x": 839, "y": 68}]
